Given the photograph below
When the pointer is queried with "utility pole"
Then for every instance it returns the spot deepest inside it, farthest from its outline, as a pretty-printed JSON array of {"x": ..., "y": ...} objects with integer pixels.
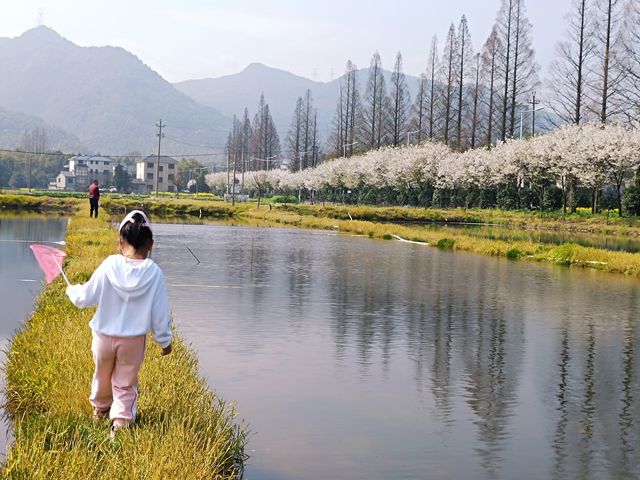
[
  {"x": 159, "y": 135},
  {"x": 228, "y": 175},
  {"x": 533, "y": 103}
]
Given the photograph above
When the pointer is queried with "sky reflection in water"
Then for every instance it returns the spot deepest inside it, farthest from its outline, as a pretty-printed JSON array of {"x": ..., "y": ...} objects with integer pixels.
[{"x": 354, "y": 358}]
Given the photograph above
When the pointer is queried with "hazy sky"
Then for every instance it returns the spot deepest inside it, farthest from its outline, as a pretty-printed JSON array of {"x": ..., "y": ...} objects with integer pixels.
[{"x": 314, "y": 38}]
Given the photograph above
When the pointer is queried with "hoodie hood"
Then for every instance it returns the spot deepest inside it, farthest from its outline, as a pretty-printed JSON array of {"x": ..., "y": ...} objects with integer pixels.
[{"x": 130, "y": 278}]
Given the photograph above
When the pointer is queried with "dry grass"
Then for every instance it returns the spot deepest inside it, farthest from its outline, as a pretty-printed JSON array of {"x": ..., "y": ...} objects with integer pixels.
[{"x": 183, "y": 429}]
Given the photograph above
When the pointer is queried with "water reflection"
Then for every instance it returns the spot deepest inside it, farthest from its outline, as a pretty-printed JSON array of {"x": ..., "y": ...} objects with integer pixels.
[
  {"x": 354, "y": 358},
  {"x": 20, "y": 276}
]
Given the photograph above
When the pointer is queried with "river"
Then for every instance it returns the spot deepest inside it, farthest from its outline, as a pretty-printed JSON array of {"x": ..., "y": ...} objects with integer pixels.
[{"x": 354, "y": 358}]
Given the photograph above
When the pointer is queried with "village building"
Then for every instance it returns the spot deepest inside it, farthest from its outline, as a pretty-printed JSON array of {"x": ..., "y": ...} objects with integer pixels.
[
  {"x": 160, "y": 174},
  {"x": 81, "y": 171}
]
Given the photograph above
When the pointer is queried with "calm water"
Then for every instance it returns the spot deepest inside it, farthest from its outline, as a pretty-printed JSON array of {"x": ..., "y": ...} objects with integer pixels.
[
  {"x": 20, "y": 277},
  {"x": 352, "y": 358}
]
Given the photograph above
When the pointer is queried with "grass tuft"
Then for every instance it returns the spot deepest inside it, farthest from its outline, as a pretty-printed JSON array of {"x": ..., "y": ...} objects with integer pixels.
[{"x": 445, "y": 244}]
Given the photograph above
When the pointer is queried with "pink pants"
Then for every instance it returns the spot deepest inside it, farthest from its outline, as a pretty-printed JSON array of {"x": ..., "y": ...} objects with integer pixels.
[{"x": 115, "y": 380}]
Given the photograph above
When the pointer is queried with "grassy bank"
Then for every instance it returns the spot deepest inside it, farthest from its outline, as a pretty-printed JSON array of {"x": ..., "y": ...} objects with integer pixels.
[
  {"x": 582, "y": 221},
  {"x": 183, "y": 429},
  {"x": 567, "y": 254},
  {"x": 38, "y": 203},
  {"x": 175, "y": 207}
]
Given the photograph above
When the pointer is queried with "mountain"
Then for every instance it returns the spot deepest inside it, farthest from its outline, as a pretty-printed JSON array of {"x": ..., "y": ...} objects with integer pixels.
[
  {"x": 232, "y": 93},
  {"x": 14, "y": 125},
  {"x": 105, "y": 96}
]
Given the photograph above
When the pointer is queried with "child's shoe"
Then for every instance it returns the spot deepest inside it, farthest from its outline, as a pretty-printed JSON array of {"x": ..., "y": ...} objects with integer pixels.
[
  {"x": 100, "y": 414},
  {"x": 116, "y": 426}
]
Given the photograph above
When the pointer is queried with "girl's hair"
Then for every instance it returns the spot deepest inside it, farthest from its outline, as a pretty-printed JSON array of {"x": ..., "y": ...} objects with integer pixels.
[{"x": 136, "y": 233}]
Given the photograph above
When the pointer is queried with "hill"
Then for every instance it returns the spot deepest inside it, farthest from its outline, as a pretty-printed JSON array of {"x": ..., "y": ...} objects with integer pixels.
[
  {"x": 105, "y": 96},
  {"x": 232, "y": 93},
  {"x": 14, "y": 125}
]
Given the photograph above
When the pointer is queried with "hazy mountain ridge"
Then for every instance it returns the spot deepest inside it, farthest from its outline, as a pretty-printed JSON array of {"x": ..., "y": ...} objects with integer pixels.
[
  {"x": 232, "y": 93},
  {"x": 14, "y": 125},
  {"x": 105, "y": 96}
]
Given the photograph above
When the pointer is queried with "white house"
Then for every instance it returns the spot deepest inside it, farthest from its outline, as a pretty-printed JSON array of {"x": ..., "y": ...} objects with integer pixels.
[
  {"x": 164, "y": 172},
  {"x": 88, "y": 168},
  {"x": 64, "y": 181}
]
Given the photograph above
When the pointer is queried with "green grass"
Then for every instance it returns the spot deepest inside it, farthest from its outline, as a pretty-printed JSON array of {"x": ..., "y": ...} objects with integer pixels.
[
  {"x": 183, "y": 429},
  {"x": 581, "y": 221},
  {"x": 175, "y": 207},
  {"x": 39, "y": 203}
]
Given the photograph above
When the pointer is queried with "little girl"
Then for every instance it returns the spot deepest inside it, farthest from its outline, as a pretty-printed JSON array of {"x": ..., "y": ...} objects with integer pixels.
[{"x": 132, "y": 301}]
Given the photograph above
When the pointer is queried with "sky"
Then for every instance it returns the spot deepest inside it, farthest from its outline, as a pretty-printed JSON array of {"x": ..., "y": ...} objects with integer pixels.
[{"x": 191, "y": 39}]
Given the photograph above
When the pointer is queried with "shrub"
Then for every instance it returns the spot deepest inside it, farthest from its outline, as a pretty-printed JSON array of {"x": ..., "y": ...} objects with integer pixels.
[
  {"x": 445, "y": 243},
  {"x": 552, "y": 199},
  {"x": 284, "y": 199},
  {"x": 507, "y": 197},
  {"x": 514, "y": 254},
  {"x": 631, "y": 200}
]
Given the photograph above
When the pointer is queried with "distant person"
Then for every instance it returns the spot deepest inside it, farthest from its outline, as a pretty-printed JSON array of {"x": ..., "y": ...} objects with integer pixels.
[
  {"x": 94, "y": 198},
  {"x": 131, "y": 296}
]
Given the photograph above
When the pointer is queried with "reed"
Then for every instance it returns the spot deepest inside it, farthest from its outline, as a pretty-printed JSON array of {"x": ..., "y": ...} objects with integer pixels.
[{"x": 183, "y": 430}]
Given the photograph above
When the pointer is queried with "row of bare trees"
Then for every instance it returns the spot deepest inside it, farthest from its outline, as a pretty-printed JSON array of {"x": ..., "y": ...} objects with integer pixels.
[
  {"x": 468, "y": 99},
  {"x": 251, "y": 145},
  {"x": 596, "y": 72},
  {"x": 302, "y": 141},
  {"x": 465, "y": 98}
]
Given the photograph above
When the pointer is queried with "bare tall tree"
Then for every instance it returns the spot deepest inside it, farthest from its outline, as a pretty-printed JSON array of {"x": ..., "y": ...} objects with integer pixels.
[
  {"x": 490, "y": 53},
  {"x": 400, "y": 102},
  {"x": 348, "y": 110},
  {"x": 569, "y": 77},
  {"x": 465, "y": 55},
  {"x": 505, "y": 27},
  {"x": 631, "y": 42},
  {"x": 475, "y": 95},
  {"x": 447, "y": 78},
  {"x": 295, "y": 137},
  {"x": 272, "y": 140},
  {"x": 419, "y": 108},
  {"x": 374, "y": 96},
  {"x": 431, "y": 72},
  {"x": 259, "y": 129},
  {"x": 525, "y": 70},
  {"x": 609, "y": 76},
  {"x": 517, "y": 66}
]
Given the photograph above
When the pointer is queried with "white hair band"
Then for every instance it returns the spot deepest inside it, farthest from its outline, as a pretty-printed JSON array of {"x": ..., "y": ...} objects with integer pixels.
[{"x": 129, "y": 218}]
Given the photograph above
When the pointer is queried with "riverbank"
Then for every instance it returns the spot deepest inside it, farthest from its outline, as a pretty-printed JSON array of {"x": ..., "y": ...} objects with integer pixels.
[
  {"x": 183, "y": 429},
  {"x": 408, "y": 223},
  {"x": 568, "y": 254},
  {"x": 38, "y": 203}
]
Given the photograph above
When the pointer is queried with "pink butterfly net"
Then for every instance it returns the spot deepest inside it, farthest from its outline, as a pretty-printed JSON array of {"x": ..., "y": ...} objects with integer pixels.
[{"x": 50, "y": 261}]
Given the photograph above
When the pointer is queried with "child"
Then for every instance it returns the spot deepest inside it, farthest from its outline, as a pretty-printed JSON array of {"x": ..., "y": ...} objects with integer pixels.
[{"x": 132, "y": 300}]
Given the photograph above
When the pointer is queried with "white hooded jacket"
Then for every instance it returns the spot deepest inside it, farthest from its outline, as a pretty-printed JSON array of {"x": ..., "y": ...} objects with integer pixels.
[{"x": 131, "y": 298}]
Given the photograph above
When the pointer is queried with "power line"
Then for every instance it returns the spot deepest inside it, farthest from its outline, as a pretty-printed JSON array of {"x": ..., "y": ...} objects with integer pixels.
[
  {"x": 177, "y": 140},
  {"x": 55, "y": 154}
]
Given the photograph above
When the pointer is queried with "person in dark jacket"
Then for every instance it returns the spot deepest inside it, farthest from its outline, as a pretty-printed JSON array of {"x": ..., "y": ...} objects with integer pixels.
[{"x": 94, "y": 198}]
